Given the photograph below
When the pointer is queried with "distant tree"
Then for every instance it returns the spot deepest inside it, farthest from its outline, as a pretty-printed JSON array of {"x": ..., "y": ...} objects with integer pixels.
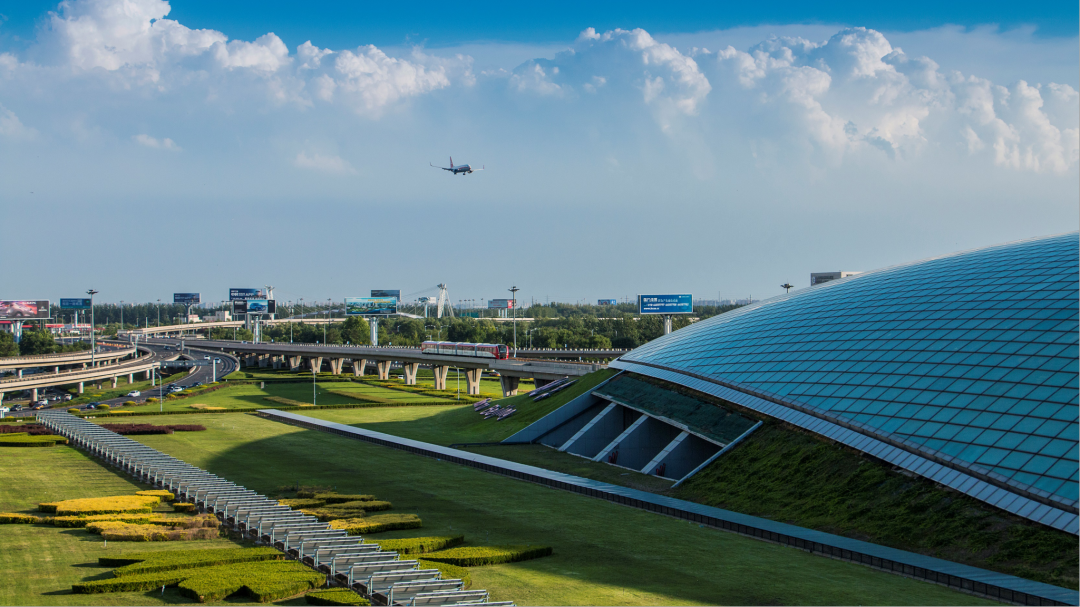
[
  {"x": 8, "y": 347},
  {"x": 356, "y": 331},
  {"x": 36, "y": 342}
]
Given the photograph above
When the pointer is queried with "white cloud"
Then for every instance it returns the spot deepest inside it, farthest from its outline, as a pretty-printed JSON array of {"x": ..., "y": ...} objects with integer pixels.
[
  {"x": 325, "y": 164},
  {"x": 13, "y": 128},
  {"x": 159, "y": 144}
]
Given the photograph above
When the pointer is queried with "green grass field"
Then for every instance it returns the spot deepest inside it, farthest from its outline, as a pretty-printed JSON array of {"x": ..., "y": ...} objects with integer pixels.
[
  {"x": 604, "y": 553},
  {"x": 41, "y": 562},
  {"x": 489, "y": 386}
]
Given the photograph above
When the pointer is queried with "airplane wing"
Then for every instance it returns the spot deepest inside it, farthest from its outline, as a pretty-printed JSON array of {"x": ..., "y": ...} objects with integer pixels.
[{"x": 443, "y": 168}]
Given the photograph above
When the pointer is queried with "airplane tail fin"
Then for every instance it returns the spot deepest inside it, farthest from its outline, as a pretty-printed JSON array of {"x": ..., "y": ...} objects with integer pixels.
[{"x": 451, "y": 162}]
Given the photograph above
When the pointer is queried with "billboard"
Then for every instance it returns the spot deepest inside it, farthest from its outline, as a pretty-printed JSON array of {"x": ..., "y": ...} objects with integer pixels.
[
  {"x": 254, "y": 306},
  {"x": 186, "y": 298},
  {"x": 500, "y": 304},
  {"x": 24, "y": 309},
  {"x": 236, "y": 294},
  {"x": 395, "y": 293},
  {"x": 666, "y": 304},
  {"x": 75, "y": 303},
  {"x": 370, "y": 306},
  {"x": 607, "y": 302}
]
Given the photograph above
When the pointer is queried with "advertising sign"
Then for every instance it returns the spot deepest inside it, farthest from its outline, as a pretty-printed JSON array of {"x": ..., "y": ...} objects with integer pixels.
[
  {"x": 186, "y": 298},
  {"x": 500, "y": 304},
  {"x": 395, "y": 293},
  {"x": 239, "y": 307},
  {"x": 370, "y": 306},
  {"x": 666, "y": 304},
  {"x": 75, "y": 303},
  {"x": 24, "y": 309},
  {"x": 237, "y": 294},
  {"x": 606, "y": 302}
]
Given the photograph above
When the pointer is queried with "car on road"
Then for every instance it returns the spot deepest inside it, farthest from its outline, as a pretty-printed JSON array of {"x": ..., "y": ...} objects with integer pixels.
[
  {"x": 134, "y": 393},
  {"x": 206, "y": 358},
  {"x": 217, "y": 360},
  {"x": 17, "y": 408},
  {"x": 67, "y": 397},
  {"x": 92, "y": 405}
]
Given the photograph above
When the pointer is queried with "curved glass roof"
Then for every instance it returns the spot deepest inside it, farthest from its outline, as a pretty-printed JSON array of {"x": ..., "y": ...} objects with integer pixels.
[{"x": 972, "y": 355}]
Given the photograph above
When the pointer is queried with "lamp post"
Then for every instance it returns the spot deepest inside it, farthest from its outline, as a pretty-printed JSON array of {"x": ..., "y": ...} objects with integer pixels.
[
  {"x": 158, "y": 313},
  {"x": 513, "y": 293},
  {"x": 93, "y": 342},
  {"x": 786, "y": 287},
  {"x": 121, "y": 317}
]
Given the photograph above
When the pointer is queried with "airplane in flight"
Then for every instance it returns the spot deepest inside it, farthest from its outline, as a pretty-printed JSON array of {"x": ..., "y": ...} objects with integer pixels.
[{"x": 464, "y": 169}]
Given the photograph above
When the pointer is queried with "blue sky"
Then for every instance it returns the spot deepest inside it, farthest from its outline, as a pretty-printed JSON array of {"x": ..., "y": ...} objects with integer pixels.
[{"x": 629, "y": 147}]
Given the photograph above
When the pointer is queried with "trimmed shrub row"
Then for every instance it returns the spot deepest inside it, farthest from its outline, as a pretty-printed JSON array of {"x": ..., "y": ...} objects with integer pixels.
[
  {"x": 102, "y": 505},
  {"x": 23, "y": 440},
  {"x": 28, "y": 429},
  {"x": 162, "y": 494},
  {"x": 126, "y": 532},
  {"x": 148, "y": 562},
  {"x": 281, "y": 400},
  {"x": 183, "y": 507},
  {"x": 152, "y": 429},
  {"x": 420, "y": 545},
  {"x": 82, "y": 521},
  {"x": 448, "y": 571},
  {"x": 474, "y": 556},
  {"x": 264, "y": 581},
  {"x": 377, "y": 523},
  {"x": 335, "y": 596},
  {"x": 18, "y": 518}
]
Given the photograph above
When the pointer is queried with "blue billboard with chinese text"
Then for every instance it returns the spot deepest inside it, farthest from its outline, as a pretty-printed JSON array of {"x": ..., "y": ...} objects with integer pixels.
[
  {"x": 75, "y": 303},
  {"x": 238, "y": 294},
  {"x": 666, "y": 304},
  {"x": 606, "y": 302}
]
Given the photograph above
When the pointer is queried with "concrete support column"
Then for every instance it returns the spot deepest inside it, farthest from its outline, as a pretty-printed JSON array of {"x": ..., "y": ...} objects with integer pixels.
[
  {"x": 147, "y": 373},
  {"x": 278, "y": 362},
  {"x": 509, "y": 385},
  {"x": 18, "y": 373},
  {"x": 410, "y": 370},
  {"x": 359, "y": 367},
  {"x": 540, "y": 383},
  {"x": 315, "y": 364},
  {"x": 473, "y": 376},
  {"x": 114, "y": 381},
  {"x": 294, "y": 363},
  {"x": 80, "y": 387},
  {"x": 384, "y": 369},
  {"x": 84, "y": 365},
  {"x": 33, "y": 394},
  {"x": 440, "y": 376},
  {"x": 131, "y": 378},
  {"x": 56, "y": 369},
  {"x": 263, "y": 361},
  {"x": 336, "y": 364}
]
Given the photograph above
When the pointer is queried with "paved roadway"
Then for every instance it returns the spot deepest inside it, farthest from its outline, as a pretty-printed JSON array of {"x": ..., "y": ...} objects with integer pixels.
[{"x": 202, "y": 374}]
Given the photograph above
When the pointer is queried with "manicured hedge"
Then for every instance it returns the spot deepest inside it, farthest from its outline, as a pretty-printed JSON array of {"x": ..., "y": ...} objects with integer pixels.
[
  {"x": 22, "y": 440},
  {"x": 337, "y": 498},
  {"x": 137, "y": 563},
  {"x": 16, "y": 518},
  {"x": 164, "y": 494},
  {"x": 335, "y": 596},
  {"x": 368, "y": 506},
  {"x": 125, "y": 532},
  {"x": 420, "y": 545},
  {"x": 47, "y": 506},
  {"x": 297, "y": 504},
  {"x": 264, "y": 581},
  {"x": 473, "y": 556},
  {"x": 106, "y": 505},
  {"x": 377, "y": 523},
  {"x": 82, "y": 521},
  {"x": 325, "y": 515},
  {"x": 183, "y": 507},
  {"x": 447, "y": 571},
  {"x": 27, "y": 429}
]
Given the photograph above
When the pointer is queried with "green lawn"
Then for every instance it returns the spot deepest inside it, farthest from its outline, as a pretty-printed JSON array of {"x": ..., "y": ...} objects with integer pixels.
[
  {"x": 41, "y": 562},
  {"x": 489, "y": 386},
  {"x": 604, "y": 553}
]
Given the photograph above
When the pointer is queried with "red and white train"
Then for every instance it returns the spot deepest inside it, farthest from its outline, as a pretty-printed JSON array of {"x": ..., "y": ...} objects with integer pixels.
[{"x": 453, "y": 348}]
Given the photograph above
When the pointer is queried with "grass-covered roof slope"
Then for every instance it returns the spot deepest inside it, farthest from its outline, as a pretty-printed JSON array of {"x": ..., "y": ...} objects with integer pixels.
[{"x": 786, "y": 475}]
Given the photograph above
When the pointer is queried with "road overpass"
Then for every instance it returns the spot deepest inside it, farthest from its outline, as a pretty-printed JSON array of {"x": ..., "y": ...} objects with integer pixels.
[
  {"x": 113, "y": 369},
  {"x": 218, "y": 324},
  {"x": 65, "y": 359},
  {"x": 314, "y": 357}
]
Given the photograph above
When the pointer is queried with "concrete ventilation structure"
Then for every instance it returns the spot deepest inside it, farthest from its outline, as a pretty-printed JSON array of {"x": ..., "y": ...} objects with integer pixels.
[{"x": 962, "y": 369}]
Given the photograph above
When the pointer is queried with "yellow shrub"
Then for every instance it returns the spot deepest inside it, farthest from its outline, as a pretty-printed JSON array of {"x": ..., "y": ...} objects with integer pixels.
[
  {"x": 124, "y": 532},
  {"x": 165, "y": 495},
  {"x": 106, "y": 505}
]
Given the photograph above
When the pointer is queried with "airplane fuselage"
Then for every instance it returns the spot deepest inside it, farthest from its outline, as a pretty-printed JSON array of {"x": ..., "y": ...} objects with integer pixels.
[{"x": 462, "y": 169}]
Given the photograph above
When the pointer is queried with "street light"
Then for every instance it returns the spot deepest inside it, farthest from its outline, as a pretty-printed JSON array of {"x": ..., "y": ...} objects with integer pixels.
[
  {"x": 786, "y": 287},
  {"x": 513, "y": 291},
  {"x": 121, "y": 317},
  {"x": 93, "y": 342},
  {"x": 158, "y": 313}
]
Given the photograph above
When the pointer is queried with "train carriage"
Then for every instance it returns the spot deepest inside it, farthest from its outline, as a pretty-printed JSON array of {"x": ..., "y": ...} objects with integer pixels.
[{"x": 454, "y": 348}]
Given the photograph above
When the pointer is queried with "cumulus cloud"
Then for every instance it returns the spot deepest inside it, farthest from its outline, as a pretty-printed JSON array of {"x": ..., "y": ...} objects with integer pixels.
[
  {"x": 854, "y": 94},
  {"x": 160, "y": 144},
  {"x": 325, "y": 164}
]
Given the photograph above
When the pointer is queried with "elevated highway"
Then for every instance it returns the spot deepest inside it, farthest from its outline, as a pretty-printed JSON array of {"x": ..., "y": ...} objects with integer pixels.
[
  {"x": 146, "y": 360},
  {"x": 313, "y": 357},
  {"x": 66, "y": 359},
  {"x": 220, "y": 324}
]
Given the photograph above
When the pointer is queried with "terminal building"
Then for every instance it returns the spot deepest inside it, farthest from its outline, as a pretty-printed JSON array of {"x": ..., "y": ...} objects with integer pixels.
[{"x": 962, "y": 369}]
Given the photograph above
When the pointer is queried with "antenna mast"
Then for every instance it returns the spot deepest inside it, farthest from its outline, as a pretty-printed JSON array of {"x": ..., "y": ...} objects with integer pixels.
[{"x": 444, "y": 303}]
